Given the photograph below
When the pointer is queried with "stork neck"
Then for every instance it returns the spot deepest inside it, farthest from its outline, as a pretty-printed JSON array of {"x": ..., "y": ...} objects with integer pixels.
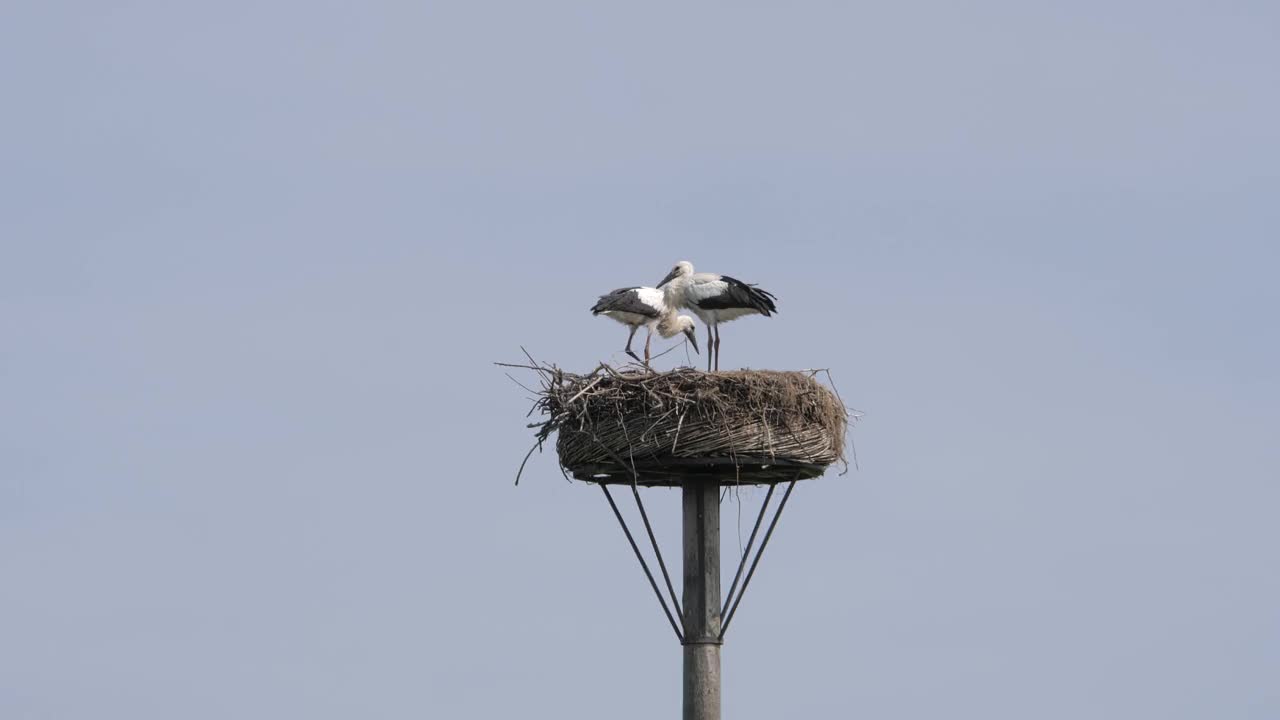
[
  {"x": 668, "y": 325},
  {"x": 673, "y": 291}
]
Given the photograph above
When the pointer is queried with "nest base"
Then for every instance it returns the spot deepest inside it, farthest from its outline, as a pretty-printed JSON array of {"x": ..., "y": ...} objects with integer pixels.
[{"x": 675, "y": 472}]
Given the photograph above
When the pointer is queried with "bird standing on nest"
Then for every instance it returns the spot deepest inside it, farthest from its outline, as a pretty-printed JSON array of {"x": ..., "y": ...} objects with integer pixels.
[
  {"x": 639, "y": 307},
  {"x": 714, "y": 299}
]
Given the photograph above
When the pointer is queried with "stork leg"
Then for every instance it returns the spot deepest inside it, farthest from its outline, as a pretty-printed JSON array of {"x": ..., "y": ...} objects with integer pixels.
[
  {"x": 647, "y": 338},
  {"x": 717, "y": 348},
  {"x": 629, "y": 337},
  {"x": 710, "y": 348}
]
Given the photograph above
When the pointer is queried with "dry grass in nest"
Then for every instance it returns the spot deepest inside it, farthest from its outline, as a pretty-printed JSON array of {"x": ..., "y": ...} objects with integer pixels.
[{"x": 660, "y": 428}]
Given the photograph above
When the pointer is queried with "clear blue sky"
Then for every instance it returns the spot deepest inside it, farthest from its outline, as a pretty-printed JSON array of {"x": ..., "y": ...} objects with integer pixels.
[{"x": 256, "y": 260}]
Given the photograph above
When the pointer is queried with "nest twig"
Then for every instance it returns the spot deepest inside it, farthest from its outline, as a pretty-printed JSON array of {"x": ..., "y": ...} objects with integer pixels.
[{"x": 749, "y": 426}]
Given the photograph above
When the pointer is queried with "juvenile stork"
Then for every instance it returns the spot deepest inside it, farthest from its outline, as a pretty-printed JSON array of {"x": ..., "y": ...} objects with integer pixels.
[
  {"x": 714, "y": 299},
  {"x": 639, "y": 307}
]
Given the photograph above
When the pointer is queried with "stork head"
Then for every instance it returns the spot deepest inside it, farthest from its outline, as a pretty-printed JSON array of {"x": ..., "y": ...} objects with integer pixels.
[
  {"x": 684, "y": 268},
  {"x": 685, "y": 323}
]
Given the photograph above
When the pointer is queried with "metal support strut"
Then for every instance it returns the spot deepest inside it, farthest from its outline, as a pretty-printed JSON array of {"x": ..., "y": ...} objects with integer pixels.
[
  {"x": 657, "y": 553},
  {"x": 751, "y": 541},
  {"x": 644, "y": 565},
  {"x": 728, "y": 618}
]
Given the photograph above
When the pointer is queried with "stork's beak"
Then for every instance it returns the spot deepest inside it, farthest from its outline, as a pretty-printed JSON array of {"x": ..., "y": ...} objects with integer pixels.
[
  {"x": 670, "y": 276},
  {"x": 693, "y": 338}
]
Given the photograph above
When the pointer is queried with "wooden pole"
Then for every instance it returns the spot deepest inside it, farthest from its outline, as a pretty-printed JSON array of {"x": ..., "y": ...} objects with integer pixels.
[{"x": 701, "y": 600}]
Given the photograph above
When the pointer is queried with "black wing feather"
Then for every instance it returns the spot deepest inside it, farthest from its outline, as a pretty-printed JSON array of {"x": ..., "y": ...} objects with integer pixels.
[
  {"x": 741, "y": 295},
  {"x": 624, "y": 300}
]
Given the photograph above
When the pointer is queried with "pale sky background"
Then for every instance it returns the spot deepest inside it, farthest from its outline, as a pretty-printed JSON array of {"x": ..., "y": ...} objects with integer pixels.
[{"x": 256, "y": 260}]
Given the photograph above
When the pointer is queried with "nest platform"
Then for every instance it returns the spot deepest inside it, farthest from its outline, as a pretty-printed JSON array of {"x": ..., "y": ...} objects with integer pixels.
[{"x": 753, "y": 427}]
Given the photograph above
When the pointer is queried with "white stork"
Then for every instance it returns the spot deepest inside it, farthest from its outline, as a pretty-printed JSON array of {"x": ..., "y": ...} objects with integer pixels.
[
  {"x": 714, "y": 299},
  {"x": 639, "y": 307}
]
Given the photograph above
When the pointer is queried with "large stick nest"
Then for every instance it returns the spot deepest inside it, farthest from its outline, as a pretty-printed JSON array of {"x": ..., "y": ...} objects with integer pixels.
[{"x": 660, "y": 428}]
